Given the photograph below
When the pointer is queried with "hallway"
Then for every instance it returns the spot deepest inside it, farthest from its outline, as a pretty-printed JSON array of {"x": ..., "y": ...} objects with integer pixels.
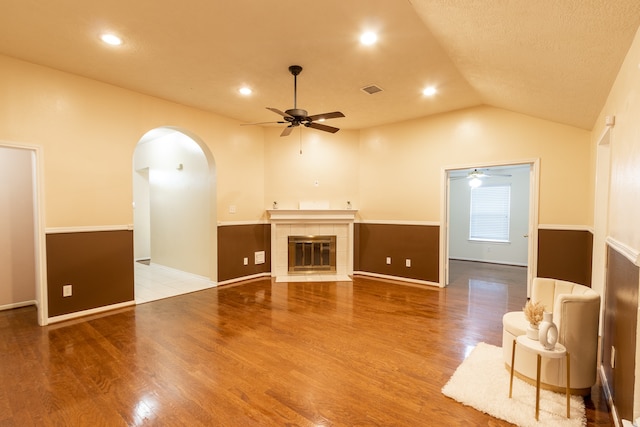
[{"x": 154, "y": 282}]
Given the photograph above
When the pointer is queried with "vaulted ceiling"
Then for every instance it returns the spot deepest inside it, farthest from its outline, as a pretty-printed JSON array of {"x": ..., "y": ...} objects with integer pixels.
[{"x": 553, "y": 59}]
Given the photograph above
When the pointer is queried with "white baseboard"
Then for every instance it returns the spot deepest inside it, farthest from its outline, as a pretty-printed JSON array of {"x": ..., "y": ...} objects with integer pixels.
[
  {"x": 243, "y": 278},
  {"x": 488, "y": 261},
  {"x": 18, "y": 305},
  {"x": 609, "y": 396},
  {"x": 77, "y": 314},
  {"x": 405, "y": 280}
]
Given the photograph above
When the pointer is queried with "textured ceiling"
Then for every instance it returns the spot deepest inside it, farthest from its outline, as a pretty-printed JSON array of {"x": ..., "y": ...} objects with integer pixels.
[{"x": 546, "y": 58}]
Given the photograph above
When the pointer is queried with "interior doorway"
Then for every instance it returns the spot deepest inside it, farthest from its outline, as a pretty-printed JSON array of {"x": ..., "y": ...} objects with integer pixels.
[
  {"x": 22, "y": 247},
  {"x": 460, "y": 239},
  {"x": 175, "y": 224}
]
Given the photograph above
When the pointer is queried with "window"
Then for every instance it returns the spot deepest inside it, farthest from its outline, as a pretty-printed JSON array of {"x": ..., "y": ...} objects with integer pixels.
[{"x": 490, "y": 213}]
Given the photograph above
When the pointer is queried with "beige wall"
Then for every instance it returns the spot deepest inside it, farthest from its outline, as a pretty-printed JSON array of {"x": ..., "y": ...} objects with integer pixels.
[
  {"x": 89, "y": 131},
  {"x": 624, "y": 103},
  {"x": 389, "y": 173},
  {"x": 401, "y": 165},
  {"x": 622, "y": 228},
  {"x": 331, "y": 160}
]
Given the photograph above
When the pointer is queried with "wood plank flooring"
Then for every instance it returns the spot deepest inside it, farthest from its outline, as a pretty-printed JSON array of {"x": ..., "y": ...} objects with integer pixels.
[{"x": 366, "y": 353}]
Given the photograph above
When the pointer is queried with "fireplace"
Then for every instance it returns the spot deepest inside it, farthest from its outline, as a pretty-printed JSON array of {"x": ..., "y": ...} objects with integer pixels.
[
  {"x": 312, "y": 222},
  {"x": 312, "y": 254}
]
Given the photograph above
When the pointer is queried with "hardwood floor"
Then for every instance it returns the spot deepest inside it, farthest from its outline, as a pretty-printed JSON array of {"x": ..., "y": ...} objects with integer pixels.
[{"x": 366, "y": 353}]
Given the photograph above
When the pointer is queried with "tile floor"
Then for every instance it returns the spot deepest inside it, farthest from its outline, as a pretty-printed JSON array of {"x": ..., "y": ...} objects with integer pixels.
[{"x": 154, "y": 282}]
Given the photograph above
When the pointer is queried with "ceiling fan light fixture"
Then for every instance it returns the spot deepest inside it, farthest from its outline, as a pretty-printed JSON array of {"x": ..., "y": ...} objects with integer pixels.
[
  {"x": 246, "y": 91},
  {"x": 475, "y": 182}
]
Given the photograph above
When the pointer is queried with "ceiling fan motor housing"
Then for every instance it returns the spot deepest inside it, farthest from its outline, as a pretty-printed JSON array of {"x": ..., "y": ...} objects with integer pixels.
[
  {"x": 295, "y": 69},
  {"x": 298, "y": 113}
]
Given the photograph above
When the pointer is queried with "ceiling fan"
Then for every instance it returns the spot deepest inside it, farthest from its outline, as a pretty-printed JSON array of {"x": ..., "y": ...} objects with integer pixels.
[
  {"x": 480, "y": 174},
  {"x": 297, "y": 116}
]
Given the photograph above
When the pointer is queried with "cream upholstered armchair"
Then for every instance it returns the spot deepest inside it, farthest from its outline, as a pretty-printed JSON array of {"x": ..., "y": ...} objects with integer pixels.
[{"x": 576, "y": 312}]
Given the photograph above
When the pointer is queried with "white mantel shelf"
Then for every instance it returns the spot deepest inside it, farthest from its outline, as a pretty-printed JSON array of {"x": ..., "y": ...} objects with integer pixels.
[{"x": 312, "y": 214}]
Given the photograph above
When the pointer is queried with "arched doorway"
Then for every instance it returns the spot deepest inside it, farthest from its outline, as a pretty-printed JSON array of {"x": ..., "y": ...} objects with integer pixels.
[{"x": 175, "y": 204}]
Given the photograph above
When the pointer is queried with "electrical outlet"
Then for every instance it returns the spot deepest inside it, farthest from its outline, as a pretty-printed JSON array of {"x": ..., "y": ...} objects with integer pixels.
[
  {"x": 67, "y": 290},
  {"x": 388, "y": 260},
  {"x": 246, "y": 261},
  {"x": 407, "y": 262}
]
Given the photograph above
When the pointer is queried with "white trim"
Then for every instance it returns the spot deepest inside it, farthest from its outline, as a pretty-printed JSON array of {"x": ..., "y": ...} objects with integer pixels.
[
  {"x": 18, "y": 305},
  {"x": 88, "y": 229},
  {"x": 96, "y": 310},
  {"x": 534, "y": 200},
  {"x": 608, "y": 396},
  {"x": 306, "y": 215},
  {"x": 227, "y": 223},
  {"x": 568, "y": 227},
  {"x": 399, "y": 222},
  {"x": 631, "y": 254},
  {"x": 487, "y": 261},
  {"x": 39, "y": 227},
  {"x": 404, "y": 280},
  {"x": 242, "y": 279}
]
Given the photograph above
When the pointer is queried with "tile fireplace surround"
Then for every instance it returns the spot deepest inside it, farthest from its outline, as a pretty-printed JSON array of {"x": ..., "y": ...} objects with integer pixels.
[{"x": 305, "y": 222}]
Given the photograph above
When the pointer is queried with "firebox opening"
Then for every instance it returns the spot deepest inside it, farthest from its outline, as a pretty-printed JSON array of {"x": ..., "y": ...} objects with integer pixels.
[{"x": 312, "y": 254}]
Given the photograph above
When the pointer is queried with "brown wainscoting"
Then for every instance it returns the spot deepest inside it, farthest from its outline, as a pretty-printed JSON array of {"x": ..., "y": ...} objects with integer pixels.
[
  {"x": 419, "y": 243},
  {"x": 620, "y": 328},
  {"x": 98, "y": 265},
  {"x": 236, "y": 242},
  {"x": 565, "y": 255}
]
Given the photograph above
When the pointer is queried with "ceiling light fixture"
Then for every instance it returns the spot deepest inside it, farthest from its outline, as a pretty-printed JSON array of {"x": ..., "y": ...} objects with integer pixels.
[
  {"x": 245, "y": 91},
  {"x": 429, "y": 91},
  {"x": 475, "y": 182},
  {"x": 368, "y": 38},
  {"x": 111, "y": 39}
]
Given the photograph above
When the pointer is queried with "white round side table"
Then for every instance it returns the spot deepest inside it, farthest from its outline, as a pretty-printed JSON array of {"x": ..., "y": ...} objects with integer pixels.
[{"x": 534, "y": 346}]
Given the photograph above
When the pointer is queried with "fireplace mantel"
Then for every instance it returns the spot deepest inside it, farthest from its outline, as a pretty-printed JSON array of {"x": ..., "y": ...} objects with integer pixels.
[
  {"x": 311, "y": 215},
  {"x": 290, "y": 222}
]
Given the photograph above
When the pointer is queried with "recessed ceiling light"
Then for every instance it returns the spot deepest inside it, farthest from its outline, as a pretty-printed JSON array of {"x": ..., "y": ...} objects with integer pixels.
[
  {"x": 429, "y": 91},
  {"x": 111, "y": 39},
  {"x": 245, "y": 90},
  {"x": 368, "y": 38}
]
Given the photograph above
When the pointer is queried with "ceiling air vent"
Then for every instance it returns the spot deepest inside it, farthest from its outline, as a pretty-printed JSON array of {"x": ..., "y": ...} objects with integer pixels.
[{"x": 371, "y": 89}]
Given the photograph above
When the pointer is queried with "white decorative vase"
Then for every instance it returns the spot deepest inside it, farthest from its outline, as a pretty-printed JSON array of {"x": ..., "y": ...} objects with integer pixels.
[
  {"x": 532, "y": 332},
  {"x": 548, "y": 331}
]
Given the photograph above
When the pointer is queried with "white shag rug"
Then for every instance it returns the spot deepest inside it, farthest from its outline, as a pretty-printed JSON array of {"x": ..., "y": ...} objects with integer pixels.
[{"x": 482, "y": 382}]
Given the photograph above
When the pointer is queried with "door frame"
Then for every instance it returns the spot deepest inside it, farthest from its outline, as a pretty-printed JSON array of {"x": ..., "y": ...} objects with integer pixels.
[
  {"x": 534, "y": 196},
  {"x": 37, "y": 170}
]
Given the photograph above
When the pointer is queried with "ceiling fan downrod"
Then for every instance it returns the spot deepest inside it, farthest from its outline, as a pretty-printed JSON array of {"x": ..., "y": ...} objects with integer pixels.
[{"x": 295, "y": 70}]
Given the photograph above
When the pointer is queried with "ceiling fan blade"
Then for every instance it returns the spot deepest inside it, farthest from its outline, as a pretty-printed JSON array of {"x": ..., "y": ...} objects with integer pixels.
[
  {"x": 332, "y": 115},
  {"x": 286, "y": 131},
  {"x": 321, "y": 127},
  {"x": 275, "y": 110},
  {"x": 261, "y": 123}
]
